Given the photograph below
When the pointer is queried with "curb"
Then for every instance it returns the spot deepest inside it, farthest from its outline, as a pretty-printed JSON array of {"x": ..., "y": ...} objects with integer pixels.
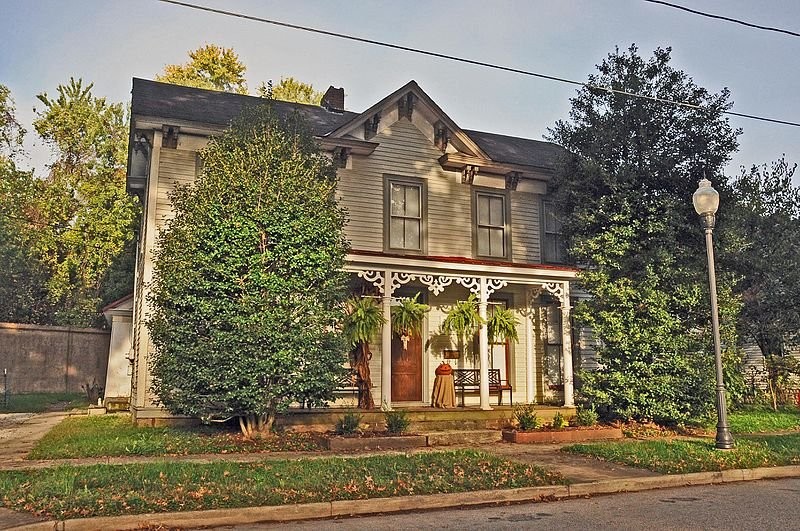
[{"x": 307, "y": 511}]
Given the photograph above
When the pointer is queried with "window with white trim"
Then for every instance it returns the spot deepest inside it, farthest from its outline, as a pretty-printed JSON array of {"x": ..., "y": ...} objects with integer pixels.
[
  {"x": 405, "y": 218},
  {"x": 491, "y": 229}
]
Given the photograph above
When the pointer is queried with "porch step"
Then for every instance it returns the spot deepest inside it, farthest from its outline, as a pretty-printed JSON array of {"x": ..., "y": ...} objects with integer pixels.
[{"x": 452, "y": 437}]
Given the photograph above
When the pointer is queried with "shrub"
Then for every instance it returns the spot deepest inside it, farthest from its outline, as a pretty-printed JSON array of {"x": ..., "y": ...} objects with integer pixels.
[
  {"x": 248, "y": 279},
  {"x": 525, "y": 415},
  {"x": 586, "y": 416},
  {"x": 559, "y": 421},
  {"x": 348, "y": 424},
  {"x": 397, "y": 421}
]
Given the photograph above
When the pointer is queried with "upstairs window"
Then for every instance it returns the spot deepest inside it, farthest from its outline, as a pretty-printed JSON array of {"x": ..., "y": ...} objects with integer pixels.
[
  {"x": 405, "y": 219},
  {"x": 553, "y": 241},
  {"x": 491, "y": 227}
]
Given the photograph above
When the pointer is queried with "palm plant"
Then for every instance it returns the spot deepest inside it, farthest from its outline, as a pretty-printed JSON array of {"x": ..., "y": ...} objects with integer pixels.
[
  {"x": 463, "y": 320},
  {"x": 407, "y": 318},
  {"x": 363, "y": 319},
  {"x": 502, "y": 325}
]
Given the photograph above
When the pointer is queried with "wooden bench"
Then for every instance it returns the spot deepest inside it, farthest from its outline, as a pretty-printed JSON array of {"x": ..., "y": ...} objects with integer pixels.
[
  {"x": 347, "y": 382},
  {"x": 470, "y": 380}
]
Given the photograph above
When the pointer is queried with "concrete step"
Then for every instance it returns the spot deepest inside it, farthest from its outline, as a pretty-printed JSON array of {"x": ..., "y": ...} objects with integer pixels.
[{"x": 452, "y": 437}]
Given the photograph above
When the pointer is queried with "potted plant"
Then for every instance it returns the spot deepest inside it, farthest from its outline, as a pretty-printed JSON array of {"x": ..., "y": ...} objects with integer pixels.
[
  {"x": 363, "y": 319},
  {"x": 463, "y": 320},
  {"x": 407, "y": 318},
  {"x": 502, "y": 326}
]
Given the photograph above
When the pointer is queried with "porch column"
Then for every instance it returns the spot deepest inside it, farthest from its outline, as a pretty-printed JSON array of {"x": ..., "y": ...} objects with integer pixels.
[
  {"x": 566, "y": 348},
  {"x": 483, "y": 341},
  {"x": 530, "y": 355},
  {"x": 386, "y": 342}
]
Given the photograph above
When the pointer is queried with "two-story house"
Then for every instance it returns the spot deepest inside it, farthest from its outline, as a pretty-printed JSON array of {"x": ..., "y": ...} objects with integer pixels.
[{"x": 434, "y": 210}]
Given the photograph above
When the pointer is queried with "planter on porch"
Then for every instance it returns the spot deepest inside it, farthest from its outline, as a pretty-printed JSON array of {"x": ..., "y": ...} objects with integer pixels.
[
  {"x": 374, "y": 442},
  {"x": 565, "y": 435}
]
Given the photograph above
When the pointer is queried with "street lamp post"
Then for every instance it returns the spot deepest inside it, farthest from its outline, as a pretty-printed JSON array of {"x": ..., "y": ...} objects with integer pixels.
[{"x": 706, "y": 202}]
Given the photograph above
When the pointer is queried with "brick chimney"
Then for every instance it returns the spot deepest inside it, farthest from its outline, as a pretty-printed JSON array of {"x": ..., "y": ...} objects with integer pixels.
[{"x": 333, "y": 100}]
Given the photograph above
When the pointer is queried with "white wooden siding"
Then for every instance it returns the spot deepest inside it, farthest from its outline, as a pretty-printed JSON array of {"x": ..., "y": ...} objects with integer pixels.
[
  {"x": 525, "y": 230},
  {"x": 176, "y": 167},
  {"x": 405, "y": 151}
]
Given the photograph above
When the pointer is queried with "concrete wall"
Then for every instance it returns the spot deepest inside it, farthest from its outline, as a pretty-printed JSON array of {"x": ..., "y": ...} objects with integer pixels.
[{"x": 52, "y": 358}]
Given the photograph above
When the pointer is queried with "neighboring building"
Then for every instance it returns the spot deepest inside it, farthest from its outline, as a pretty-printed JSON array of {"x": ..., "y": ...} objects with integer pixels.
[
  {"x": 433, "y": 209},
  {"x": 117, "y": 390}
]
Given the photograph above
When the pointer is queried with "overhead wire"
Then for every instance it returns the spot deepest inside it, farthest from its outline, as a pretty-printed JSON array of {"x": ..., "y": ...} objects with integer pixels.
[
  {"x": 465, "y": 60},
  {"x": 722, "y": 17}
]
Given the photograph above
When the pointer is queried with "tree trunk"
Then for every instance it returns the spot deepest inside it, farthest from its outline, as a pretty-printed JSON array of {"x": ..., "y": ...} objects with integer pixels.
[
  {"x": 361, "y": 357},
  {"x": 256, "y": 426}
]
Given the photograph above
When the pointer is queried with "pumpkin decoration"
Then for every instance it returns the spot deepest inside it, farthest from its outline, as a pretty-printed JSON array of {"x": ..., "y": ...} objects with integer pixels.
[{"x": 444, "y": 369}]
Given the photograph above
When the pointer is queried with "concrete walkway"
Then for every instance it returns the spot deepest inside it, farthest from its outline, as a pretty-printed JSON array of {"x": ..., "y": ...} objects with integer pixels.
[{"x": 19, "y": 433}]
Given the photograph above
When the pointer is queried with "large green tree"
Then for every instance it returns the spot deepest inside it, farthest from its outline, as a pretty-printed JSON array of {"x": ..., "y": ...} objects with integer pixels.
[
  {"x": 83, "y": 217},
  {"x": 210, "y": 67},
  {"x": 624, "y": 191},
  {"x": 23, "y": 297},
  {"x": 248, "y": 284}
]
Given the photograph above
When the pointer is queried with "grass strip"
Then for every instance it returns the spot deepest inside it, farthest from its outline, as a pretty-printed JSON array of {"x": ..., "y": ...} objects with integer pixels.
[
  {"x": 39, "y": 402},
  {"x": 115, "y": 435},
  {"x": 696, "y": 455},
  {"x": 107, "y": 490},
  {"x": 763, "y": 420}
]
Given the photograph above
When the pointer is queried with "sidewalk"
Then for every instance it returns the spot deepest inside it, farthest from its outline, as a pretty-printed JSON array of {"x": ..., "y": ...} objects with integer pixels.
[{"x": 586, "y": 476}]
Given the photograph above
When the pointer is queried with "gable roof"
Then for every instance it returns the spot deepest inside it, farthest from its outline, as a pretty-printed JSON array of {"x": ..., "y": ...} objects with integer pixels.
[
  {"x": 415, "y": 89},
  {"x": 176, "y": 102}
]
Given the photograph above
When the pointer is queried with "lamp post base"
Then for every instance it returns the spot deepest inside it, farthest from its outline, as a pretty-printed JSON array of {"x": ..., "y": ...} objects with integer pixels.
[{"x": 724, "y": 438}]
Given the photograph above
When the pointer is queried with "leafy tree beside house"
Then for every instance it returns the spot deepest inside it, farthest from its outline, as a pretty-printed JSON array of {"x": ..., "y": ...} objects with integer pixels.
[
  {"x": 625, "y": 194},
  {"x": 248, "y": 283},
  {"x": 765, "y": 252},
  {"x": 82, "y": 216},
  {"x": 290, "y": 89}
]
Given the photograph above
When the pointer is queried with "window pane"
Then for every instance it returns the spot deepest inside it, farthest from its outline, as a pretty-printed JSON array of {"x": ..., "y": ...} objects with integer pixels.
[
  {"x": 496, "y": 212},
  {"x": 396, "y": 233},
  {"x": 412, "y": 234},
  {"x": 398, "y": 200},
  {"x": 496, "y": 247},
  {"x": 483, "y": 241},
  {"x": 412, "y": 201},
  {"x": 483, "y": 210}
]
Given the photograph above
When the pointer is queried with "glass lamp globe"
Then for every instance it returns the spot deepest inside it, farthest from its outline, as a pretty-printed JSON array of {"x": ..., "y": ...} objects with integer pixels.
[{"x": 705, "y": 199}]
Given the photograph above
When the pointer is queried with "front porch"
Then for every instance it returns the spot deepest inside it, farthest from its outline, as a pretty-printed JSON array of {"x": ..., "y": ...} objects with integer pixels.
[
  {"x": 423, "y": 419},
  {"x": 537, "y": 367}
]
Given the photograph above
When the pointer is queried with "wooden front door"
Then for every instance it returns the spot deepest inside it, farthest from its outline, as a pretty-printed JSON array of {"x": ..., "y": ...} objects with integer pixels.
[{"x": 407, "y": 370}]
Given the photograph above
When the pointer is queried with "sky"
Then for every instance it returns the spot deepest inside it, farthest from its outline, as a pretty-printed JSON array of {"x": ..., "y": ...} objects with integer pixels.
[{"x": 108, "y": 42}]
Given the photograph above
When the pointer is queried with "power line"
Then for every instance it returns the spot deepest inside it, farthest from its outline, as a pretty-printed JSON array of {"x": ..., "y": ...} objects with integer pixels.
[
  {"x": 469, "y": 61},
  {"x": 727, "y": 19}
]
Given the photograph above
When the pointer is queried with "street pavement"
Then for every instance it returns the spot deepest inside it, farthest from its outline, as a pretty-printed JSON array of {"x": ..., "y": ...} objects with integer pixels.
[{"x": 761, "y": 505}]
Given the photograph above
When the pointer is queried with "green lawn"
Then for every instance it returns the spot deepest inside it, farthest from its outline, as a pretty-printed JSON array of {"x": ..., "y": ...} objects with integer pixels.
[
  {"x": 114, "y": 435},
  {"x": 39, "y": 402},
  {"x": 763, "y": 420},
  {"x": 104, "y": 490},
  {"x": 696, "y": 455}
]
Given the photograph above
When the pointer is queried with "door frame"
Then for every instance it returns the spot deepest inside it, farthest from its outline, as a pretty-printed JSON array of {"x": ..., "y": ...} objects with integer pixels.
[{"x": 425, "y": 384}]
